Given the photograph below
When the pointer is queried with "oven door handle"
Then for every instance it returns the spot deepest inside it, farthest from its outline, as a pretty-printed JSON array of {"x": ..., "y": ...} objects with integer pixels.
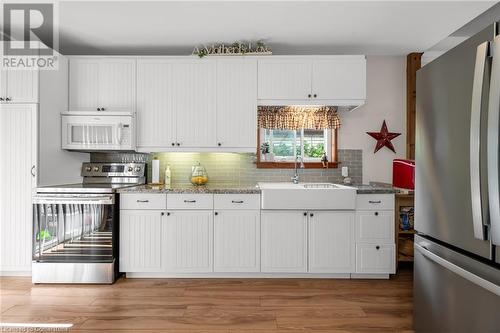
[{"x": 94, "y": 200}]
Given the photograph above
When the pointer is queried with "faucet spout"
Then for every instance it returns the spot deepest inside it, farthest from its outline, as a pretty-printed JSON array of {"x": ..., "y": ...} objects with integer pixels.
[{"x": 295, "y": 178}]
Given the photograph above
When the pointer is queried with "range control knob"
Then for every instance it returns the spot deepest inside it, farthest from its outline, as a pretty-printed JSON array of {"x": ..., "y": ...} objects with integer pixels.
[
  {"x": 130, "y": 169},
  {"x": 137, "y": 169},
  {"x": 88, "y": 169},
  {"x": 96, "y": 168}
]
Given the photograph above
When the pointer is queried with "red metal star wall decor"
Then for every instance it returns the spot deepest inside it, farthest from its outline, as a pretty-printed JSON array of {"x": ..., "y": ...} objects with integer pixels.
[{"x": 383, "y": 138}]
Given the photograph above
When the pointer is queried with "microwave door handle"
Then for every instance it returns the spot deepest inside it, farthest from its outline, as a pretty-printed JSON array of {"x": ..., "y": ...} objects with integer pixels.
[
  {"x": 492, "y": 143},
  {"x": 478, "y": 219},
  {"x": 119, "y": 134}
]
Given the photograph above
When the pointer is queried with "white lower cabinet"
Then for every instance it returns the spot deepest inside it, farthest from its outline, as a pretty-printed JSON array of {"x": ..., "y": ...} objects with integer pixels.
[
  {"x": 141, "y": 240},
  {"x": 374, "y": 258},
  {"x": 237, "y": 241},
  {"x": 284, "y": 241},
  {"x": 188, "y": 241},
  {"x": 331, "y": 242}
]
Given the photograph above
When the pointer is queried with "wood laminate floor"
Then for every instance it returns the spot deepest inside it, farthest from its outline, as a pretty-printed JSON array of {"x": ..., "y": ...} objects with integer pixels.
[{"x": 215, "y": 305}]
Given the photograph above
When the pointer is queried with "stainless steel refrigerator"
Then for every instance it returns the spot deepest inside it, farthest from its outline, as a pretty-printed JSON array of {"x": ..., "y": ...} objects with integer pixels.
[{"x": 457, "y": 205}]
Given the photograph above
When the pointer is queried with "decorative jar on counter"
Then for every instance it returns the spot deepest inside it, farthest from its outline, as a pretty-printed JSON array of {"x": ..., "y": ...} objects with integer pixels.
[{"x": 199, "y": 175}]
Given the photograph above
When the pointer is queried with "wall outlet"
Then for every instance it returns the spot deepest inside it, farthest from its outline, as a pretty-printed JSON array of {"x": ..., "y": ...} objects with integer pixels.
[{"x": 345, "y": 172}]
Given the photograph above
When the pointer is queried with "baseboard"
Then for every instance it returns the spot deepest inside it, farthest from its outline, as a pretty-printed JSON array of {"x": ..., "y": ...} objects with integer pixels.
[
  {"x": 15, "y": 273},
  {"x": 157, "y": 275}
]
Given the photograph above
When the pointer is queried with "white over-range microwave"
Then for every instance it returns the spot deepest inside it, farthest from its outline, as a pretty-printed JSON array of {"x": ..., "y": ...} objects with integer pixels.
[{"x": 98, "y": 131}]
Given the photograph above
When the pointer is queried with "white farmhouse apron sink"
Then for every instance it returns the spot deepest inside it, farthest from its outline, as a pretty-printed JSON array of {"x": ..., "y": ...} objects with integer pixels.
[{"x": 308, "y": 196}]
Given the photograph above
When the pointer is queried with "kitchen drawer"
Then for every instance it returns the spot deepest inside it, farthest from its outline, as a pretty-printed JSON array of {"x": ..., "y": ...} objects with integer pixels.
[
  {"x": 190, "y": 201},
  {"x": 375, "y": 226},
  {"x": 237, "y": 201},
  {"x": 143, "y": 201},
  {"x": 375, "y": 201},
  {"x": 375, "y": 258}
]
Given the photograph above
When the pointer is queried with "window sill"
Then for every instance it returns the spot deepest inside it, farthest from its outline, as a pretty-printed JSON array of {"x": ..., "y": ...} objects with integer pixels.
[{"x": 291, "y": 165}]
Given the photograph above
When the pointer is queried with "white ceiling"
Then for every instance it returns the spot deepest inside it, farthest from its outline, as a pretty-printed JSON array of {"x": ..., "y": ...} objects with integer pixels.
[{"x": 289, "y": 27}]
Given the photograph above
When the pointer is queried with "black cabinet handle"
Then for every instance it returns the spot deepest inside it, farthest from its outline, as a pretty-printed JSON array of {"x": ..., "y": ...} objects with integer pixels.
[
  {"x": 377, "y": 247},
  {"x": 142, "y": 200},
  {"x": 376, "y": 213},
  {"x": 374, "y": 201},
  {"x": 305, "y": 213},
  {"x": 219, "y": 144},
  {"x": 173, "y": 144},
  {"x": 178, "y": 144},
  {"x": 162, "y": 213},
  {"x": 189, "y": 201},
  {"x": 311, "y": 215},
  {"x": 237, "y": 201},
  {"x": 216, "y": 213},
  {"x": 7, "y": 99},
  {"x": 168, "y": 214},
  {"x": 309, "y": 95},
  {"x": 315, "y": 95},
  {"x": 1, "y": 98},
  {"x": 98, "y": 109},
  {"x": 102, "y": 109}
]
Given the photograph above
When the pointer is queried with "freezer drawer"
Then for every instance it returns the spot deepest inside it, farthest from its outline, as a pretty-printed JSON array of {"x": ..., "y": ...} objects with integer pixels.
[{"x": 453, "y": 292}]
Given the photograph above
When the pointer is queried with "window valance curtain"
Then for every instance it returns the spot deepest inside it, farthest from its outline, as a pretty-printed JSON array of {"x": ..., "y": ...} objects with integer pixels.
[{"x": 296, "y": 117}]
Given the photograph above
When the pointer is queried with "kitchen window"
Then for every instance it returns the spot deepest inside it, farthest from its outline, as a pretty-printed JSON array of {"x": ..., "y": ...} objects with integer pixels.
[{"x": 278, "y": 148}]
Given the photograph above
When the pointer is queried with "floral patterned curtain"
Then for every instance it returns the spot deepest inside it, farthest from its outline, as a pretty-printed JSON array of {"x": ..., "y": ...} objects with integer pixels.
[{"x": 296, "y": 117}]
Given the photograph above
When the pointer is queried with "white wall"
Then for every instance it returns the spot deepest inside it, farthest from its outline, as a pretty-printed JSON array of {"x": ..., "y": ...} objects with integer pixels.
[
  {"x": 386, "y": 99},
  {"x": 56, "y": 166}
]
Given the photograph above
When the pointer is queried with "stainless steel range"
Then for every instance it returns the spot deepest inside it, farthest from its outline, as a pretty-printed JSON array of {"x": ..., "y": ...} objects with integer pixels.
[{"x": 75, "y": 226}]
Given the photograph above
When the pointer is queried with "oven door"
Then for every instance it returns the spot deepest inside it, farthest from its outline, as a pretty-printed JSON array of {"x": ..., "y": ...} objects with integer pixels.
[
  {"x": 97, "y": 132},
  {"x": 74, "y": 228}
]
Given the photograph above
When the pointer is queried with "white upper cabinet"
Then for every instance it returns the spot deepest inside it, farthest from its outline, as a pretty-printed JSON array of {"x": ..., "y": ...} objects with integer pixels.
[
  {"x": 343, "y": 78},
  {"x": 237, "y": 103},
  {"x": 194, "y": 102},
  {"x": 337, "y": 80},
  {"x": 155, "y": 115},
  {"x": 102, "y": 84},
  {"x": 284, "y": 78},
  {"x": 19, "y": 86}
]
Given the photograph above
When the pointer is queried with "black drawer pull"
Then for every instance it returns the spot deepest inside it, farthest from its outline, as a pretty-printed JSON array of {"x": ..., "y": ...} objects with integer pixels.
[
  {"x": 375, "y": 201},
  {"x": 376, "y": 213},
  {"x": 237, "y": 201},
  {"x": 142, "y": 200},
  {"x": 189, "y": 201},
  {"x": 305, "y": 213},
  {"x": 377, "y": 247}
]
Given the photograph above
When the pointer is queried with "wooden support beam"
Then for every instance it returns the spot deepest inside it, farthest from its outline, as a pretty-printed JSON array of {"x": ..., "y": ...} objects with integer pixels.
[{"x": 413, "y": 63}]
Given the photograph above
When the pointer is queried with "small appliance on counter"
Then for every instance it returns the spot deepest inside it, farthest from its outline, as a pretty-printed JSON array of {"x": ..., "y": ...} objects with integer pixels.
[
  {"x": 403, "y": 174},
  {"x": 75, "y": 226}
]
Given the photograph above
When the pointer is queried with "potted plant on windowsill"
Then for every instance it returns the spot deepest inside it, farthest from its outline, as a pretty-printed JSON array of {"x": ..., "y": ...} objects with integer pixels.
[{"x": 265, "y": 149}]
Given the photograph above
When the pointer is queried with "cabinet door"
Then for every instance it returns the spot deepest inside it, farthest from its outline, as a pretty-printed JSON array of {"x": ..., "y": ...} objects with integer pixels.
[
  {"x": 18, "y": 149},
  {"x": 83, "y": 84},
  {"x": 117, "y": 84},
  {"x": 331, "y": 242},
  {"x": 237, "y": 103},
  {"x": 22, "y": 86},
  {"x": 284, "y": 241},
  {"x": 193, "y": 99},
  {"x": 284, "y": 79},
  {"x": 237, "y": 241},
  {"x": 140, "y": 240},
  {"x": 155, "y": 115},
  {"x": 342, "y": 79},
  {"x": 375, "y": 258},
  {"x": 189, "y": 241}
]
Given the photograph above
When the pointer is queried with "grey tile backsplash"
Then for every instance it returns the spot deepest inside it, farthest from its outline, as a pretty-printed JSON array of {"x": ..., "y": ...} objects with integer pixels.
[{"x": 240, "y": 169}]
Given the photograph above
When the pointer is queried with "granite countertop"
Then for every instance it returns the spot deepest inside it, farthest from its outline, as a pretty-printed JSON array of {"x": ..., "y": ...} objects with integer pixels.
[
  {"x": 210, "y": 188},
  {"x": 372, "y": 188}
]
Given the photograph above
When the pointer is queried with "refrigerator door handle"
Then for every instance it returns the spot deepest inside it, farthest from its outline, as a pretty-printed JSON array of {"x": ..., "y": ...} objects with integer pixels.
[
  {"x": 477, "y": 280},
  {"x": 493, "y": 142},
  {"x": 478, "y": 219}
]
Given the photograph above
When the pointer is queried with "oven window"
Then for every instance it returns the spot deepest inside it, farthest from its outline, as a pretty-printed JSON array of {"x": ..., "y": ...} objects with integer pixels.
[{"x": 73, "y": 232}]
